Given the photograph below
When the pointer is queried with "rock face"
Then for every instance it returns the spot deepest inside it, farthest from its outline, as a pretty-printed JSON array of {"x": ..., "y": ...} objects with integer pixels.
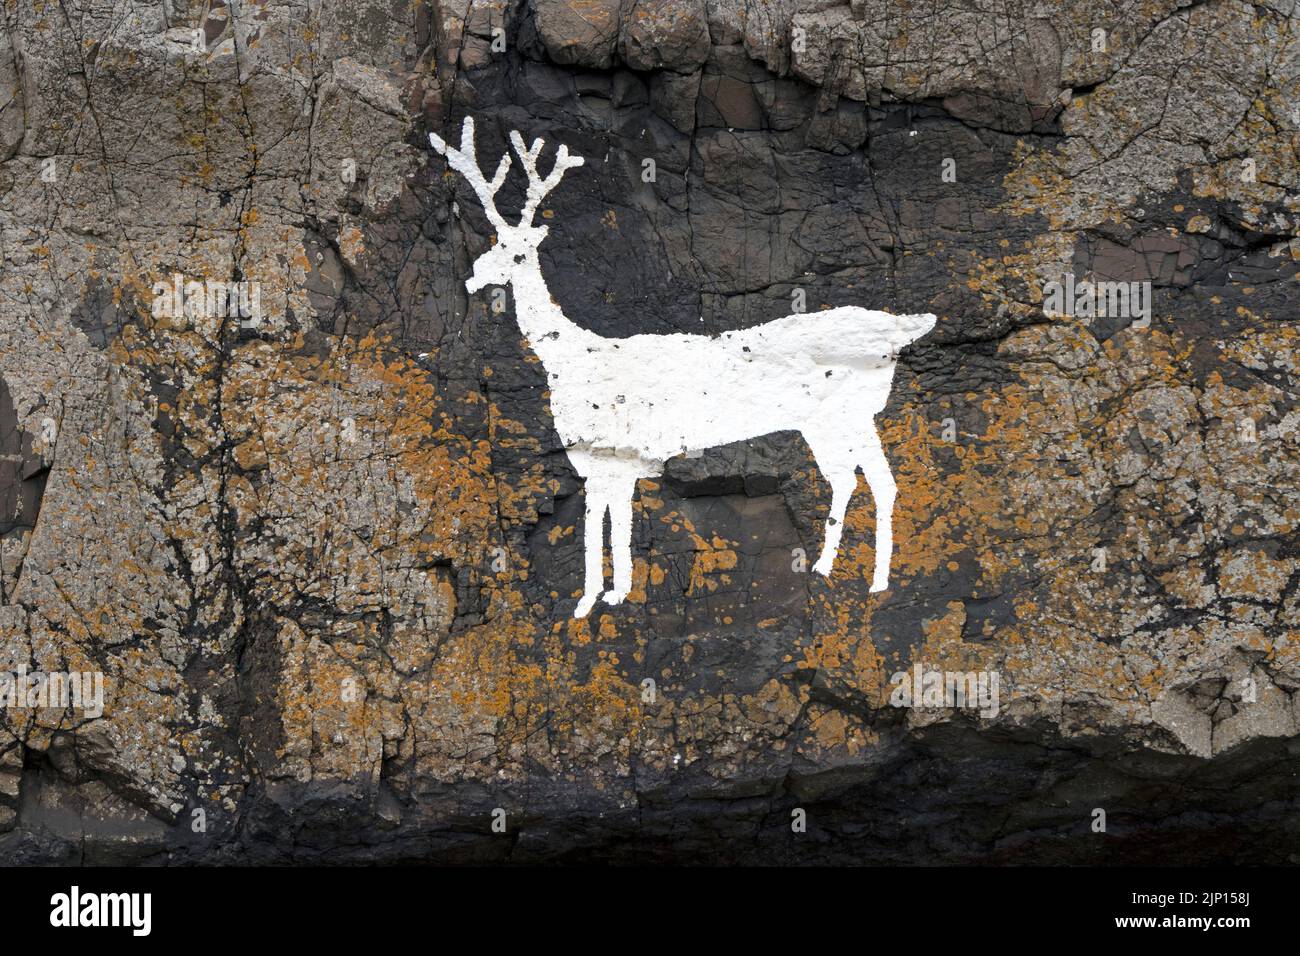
[{"x": 326, "y": 556}]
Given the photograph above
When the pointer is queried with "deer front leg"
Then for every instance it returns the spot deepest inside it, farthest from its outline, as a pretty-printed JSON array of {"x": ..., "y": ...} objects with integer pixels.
[
  {"x": 875, "y": 466},
  {"x": 593, "y": 543}
]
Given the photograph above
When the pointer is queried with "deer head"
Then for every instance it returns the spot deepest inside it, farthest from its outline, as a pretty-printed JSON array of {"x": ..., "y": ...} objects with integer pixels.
[{"x": 516, "y": 246}]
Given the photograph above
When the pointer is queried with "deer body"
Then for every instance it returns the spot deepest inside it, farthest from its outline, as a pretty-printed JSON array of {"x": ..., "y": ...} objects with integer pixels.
[{"x": 623, "y": 407}]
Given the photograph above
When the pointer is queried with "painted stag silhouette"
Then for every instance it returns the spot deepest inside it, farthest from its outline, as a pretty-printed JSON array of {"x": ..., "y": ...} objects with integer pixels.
[{"x": 623, "y": 407}]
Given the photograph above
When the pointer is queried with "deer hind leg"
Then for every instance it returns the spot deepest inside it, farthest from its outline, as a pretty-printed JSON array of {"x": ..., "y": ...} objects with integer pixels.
[
  {"x": 593, "y": 543},
  {"x": 875, "y": 466},
  {"x": 620, "y": 536},
  {"x": 838, "y": 467}
]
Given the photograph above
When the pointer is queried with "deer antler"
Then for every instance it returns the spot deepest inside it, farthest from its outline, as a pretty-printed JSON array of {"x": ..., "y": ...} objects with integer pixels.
[
  {"x": 538, "y": 187},
  {"x": 464, "y": 161}
]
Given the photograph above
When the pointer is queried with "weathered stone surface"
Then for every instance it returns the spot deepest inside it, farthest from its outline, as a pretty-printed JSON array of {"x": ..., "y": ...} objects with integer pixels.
[
  {"x": 665, "y": 33},
  {"x": 327, "y": 562},
  {"x": 580, "y": 32}
]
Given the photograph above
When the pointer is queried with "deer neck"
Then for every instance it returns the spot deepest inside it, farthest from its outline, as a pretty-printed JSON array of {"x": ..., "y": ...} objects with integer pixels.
[{"x": 548, "y": 331}]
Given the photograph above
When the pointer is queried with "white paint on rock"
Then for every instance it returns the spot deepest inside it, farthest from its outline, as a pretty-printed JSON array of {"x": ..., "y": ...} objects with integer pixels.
[{"x": 623, "y": 407}]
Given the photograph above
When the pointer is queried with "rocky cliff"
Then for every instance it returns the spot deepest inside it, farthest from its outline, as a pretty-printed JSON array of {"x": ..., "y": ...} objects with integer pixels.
[{"x": 325, "y": 551}]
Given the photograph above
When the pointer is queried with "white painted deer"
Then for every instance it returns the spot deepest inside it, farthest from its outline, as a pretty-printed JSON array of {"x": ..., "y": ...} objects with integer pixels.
[{"x": 623, "y": 407}]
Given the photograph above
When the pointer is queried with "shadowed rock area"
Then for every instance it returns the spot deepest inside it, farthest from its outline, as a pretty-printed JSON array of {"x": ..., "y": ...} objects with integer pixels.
[{"x": 326, "y": 558}]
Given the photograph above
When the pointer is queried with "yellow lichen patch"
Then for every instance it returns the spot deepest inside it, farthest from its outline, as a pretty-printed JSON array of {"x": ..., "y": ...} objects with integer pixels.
[
  {"x": 494, "y": 701},
  {"x": 841, "y": 646},
  {"x": 352, "y": 244},
  {"x": 713, "y": 558},
  {"x": 1251, "y": 573},
  {"x": 333, "y": 720},
  {"x": 945, "y": 649},
  {"x": 1265, "y": 348},
  {"x": 835, "y": 733}
]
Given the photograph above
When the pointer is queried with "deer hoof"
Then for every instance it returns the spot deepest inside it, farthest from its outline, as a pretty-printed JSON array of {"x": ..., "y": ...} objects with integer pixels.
[
  {"x": 615, "y": 597},
  {"x": 824, "y": 565},
  {"x": 879, "y": 584},
  {"x": 585, "y": 605}
]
